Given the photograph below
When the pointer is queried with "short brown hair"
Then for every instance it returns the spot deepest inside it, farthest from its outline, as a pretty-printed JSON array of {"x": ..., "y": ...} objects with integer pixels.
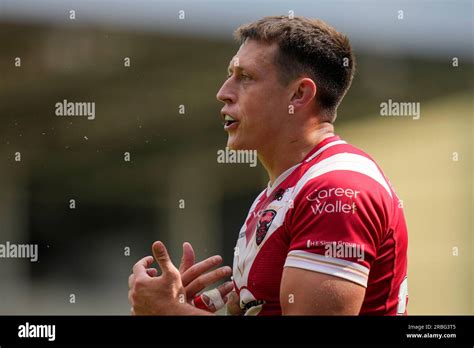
[{"x": 307, "y": 47}]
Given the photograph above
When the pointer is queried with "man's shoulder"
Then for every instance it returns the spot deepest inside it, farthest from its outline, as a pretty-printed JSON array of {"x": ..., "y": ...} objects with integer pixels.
[
  {"x": 342, "y": 148},
  {"x": 343, "y": 168}
]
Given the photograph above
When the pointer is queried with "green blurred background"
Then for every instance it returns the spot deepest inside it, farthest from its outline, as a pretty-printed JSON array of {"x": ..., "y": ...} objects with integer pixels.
[{"x": 182, "y": 61}]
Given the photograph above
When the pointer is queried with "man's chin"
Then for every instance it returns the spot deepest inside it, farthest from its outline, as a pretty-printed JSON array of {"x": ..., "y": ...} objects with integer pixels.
[{"x": 235, "y": 144}]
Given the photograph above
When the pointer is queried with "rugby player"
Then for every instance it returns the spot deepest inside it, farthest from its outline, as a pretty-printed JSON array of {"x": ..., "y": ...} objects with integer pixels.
[{"x": 327, "y": 236}]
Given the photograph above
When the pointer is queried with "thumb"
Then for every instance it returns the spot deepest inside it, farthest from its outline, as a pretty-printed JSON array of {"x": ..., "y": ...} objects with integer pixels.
[{"x": 162, "y": 258}]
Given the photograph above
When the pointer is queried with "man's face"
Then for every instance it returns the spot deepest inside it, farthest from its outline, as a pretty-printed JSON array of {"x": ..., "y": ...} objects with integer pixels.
[{"x": 254, "y": 98}]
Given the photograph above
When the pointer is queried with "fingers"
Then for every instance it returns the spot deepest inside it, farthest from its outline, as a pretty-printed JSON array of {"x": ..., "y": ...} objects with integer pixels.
[
  {"x": 225, "y": 289},
  {"x": 162, "y": 258},
  {"x": 233, "y": 304},
  {"x": 214, "y": 299},
  {"x": 199, "y": 268},
  {"x": 207, "y": 279},
  {"x": 152, "y": 272},
  {"x": 188, "y": 258},
  {"x": 139, "y": 269}
]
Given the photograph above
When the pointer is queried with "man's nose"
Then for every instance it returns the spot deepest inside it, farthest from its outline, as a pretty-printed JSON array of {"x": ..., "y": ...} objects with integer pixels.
[{"x": 225, "y": 93}]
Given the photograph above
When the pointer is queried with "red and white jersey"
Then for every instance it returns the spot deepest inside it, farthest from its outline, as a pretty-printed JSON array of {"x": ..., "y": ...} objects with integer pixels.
[{"x": 333, "y": 213}]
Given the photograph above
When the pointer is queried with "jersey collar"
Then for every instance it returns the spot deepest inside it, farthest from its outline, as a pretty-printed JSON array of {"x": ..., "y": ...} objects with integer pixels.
[{"x": 320, "y": 147}]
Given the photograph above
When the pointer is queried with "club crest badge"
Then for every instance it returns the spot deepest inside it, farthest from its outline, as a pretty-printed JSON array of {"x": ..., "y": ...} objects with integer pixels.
[{"x": 264, "y": 225}]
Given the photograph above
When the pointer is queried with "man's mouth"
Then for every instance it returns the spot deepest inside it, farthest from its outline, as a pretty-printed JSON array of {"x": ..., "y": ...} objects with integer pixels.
[{"x": 229, "y": 122}]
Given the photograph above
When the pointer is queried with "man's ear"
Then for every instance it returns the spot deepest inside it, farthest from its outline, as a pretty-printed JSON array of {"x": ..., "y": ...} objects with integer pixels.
[{"x": 304, "y": 91}]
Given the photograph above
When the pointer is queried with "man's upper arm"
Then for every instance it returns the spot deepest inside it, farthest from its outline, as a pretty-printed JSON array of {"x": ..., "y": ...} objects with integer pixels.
[
  {"x": 334, "y": 232},
  {"x": 305, "y": 292}
]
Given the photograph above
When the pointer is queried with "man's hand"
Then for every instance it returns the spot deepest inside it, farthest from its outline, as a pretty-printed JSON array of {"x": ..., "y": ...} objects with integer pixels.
[
  {"x": 195, "y": 279},
  {"x": 168, "y": 294},
  {"x": 150, "y": 294}
]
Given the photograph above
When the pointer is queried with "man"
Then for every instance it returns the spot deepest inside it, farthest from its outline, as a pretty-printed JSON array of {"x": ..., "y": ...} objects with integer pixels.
[{"x": 328, "y": 235}]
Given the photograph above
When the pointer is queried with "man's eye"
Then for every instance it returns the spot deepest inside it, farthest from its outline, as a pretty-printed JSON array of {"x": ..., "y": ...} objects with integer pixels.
[{"x": 239, "y": 76}]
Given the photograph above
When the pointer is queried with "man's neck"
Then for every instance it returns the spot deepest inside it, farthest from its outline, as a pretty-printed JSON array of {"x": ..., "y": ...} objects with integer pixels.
[{"x": 291, "y": 152}]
